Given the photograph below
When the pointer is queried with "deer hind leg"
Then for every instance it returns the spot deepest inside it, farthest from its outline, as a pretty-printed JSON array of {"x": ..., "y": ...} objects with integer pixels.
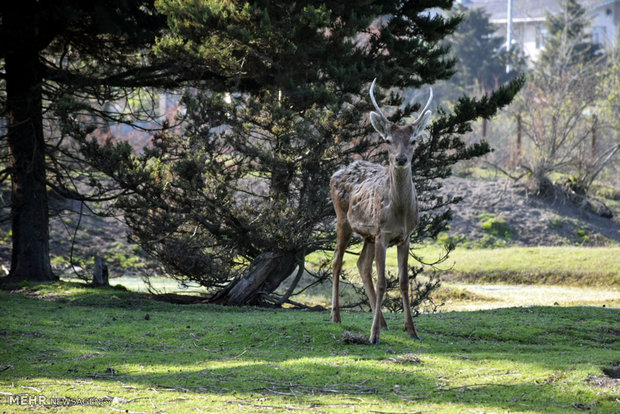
[
  {"x": 344, "y": 233},
  {"x": 364, "y": 265},
  {"x": 403, "y": 281}
]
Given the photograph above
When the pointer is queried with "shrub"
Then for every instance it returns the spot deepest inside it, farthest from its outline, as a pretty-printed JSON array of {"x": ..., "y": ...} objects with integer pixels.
[{"x": 495, "y": 226}]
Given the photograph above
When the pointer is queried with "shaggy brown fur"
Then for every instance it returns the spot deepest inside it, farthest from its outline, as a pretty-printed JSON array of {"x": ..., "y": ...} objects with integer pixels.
[{"x": 378, "y": 203}]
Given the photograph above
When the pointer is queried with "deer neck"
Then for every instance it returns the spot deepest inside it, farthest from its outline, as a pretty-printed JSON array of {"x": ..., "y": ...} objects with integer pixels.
[{"x": 401, "y": 188}]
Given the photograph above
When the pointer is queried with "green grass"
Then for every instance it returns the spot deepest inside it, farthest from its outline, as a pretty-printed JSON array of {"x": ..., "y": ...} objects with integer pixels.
[
  {"x": 67, "y": 340},
  {"x": 495, "y": 226},
  {"x": 556, "y": 265},
  {"x": 476, "y": 171},
  {"x": 581, "y": 266}
]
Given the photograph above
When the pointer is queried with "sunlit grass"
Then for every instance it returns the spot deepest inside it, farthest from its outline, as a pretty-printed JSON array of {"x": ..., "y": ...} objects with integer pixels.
[
  {"x": 202, "y": 358},
  {"x": 558, "y": 265},
  {"x": 502, "y": 296}
]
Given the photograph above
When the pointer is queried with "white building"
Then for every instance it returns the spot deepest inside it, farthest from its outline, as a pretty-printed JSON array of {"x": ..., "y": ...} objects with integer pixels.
[{"x": 528, "y": 18}]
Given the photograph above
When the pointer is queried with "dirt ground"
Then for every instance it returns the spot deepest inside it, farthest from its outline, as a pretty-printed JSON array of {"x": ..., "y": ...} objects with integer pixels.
[{"x": 534, "y": 221}]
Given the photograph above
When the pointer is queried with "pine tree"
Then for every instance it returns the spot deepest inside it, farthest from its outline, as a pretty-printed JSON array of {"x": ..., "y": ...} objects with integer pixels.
[
  {"x": 238, "y": 197},
  {"x": 64, "y": 63},
  {"x": 567, "y": 41},
  {"x": 480, "y": 53},
  {"x": 54, "y": 50}
]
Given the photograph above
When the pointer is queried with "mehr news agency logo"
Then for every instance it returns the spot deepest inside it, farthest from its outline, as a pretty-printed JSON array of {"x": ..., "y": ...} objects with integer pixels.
[{"x": 42, "y": 400}]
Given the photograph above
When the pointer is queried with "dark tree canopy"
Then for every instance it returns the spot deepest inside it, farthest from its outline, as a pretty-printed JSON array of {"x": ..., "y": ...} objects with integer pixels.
[
  {"x": 238, "y": 195},
  {"x": 60, "y": 58},
  {"x": 236, "y": 198},
  {"x": 65, "y": 62}
]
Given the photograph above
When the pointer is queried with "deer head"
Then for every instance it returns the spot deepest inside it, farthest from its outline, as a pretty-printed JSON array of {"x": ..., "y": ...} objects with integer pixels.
[{"x": 400, "y": 139}]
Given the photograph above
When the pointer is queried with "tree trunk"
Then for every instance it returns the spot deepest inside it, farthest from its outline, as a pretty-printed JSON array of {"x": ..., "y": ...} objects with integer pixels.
[
  {"x": 264, "y": 276},
  {"x": 519, "y": 139},
  {"x": 593, "y": 131},
  {"x": 29, "y": 209}
]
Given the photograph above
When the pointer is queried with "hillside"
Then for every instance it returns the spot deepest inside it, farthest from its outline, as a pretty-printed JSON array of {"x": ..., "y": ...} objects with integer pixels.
[{"x": 499, "y": 211}]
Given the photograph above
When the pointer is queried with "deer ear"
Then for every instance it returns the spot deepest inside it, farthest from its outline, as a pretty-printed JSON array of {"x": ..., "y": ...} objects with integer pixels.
[
  {"x": 422, "y": 124},
  {"x": 379, "y": 123}
]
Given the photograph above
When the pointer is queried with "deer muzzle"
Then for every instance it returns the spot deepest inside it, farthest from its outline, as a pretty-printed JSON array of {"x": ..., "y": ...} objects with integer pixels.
[{"x": 401, "y": 160}]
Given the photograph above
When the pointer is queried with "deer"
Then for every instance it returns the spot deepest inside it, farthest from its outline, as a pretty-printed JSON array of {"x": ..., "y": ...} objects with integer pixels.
[{"x": 379, "y": 204}]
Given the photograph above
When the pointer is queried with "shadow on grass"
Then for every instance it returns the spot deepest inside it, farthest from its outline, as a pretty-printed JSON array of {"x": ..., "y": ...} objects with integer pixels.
[{"x": 500, "y": 359}]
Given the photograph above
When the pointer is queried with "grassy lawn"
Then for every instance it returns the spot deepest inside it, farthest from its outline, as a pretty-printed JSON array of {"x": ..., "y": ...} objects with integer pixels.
[
  {"x": 582, "y": 266},
  {"x": 572, "y": 265},
  {"x": 139, "y": 355}
]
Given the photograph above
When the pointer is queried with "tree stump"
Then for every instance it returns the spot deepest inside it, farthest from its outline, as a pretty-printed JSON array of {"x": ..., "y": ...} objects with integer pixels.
[{"x": 100, "y": 272}]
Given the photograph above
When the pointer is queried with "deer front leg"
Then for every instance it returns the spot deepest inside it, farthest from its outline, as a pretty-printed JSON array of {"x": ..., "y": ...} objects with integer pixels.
[
  {"x": 375, "y": 331},
  {"x": 364, "y": 265},
  {"x": 403, "y": 281},
  {"x": 344, "y": 235}
]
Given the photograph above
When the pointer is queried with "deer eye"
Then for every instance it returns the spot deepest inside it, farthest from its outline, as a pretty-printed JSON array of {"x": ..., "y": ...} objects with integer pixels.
[
  {"x": 413, "y": 140},
  {"x": 388, "y": 140}
]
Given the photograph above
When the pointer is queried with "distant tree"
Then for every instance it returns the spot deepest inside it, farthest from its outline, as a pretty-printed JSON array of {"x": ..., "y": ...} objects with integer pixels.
[
  {"x": 481, "y": 55},
  {"x": 557, "y": 103},
  {"x": 240, "y": 196},
  {"x": 567, "y": 39},
  {"x": 595, "y": 155}
]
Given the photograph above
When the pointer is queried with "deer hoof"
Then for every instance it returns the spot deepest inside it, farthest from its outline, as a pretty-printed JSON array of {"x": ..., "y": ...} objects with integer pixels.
[
  {"x": 415, "y": 336},
  {"x": 377, "y": 342}
]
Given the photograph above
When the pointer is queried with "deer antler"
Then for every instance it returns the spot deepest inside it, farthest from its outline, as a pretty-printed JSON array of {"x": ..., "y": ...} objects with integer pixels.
[
  {"x": 430, "y": 98},
  {"x": 374, "y": 102}
]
